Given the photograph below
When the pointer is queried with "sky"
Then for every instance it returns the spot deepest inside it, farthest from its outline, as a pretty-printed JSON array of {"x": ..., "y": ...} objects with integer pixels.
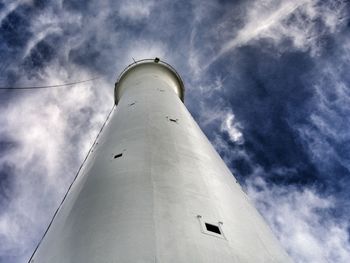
[{"x": 266, "y": 80}]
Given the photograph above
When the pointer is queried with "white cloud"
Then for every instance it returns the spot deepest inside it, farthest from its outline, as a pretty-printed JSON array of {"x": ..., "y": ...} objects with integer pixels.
[
  {"x": 261, "y": 18},
  {"x": 44, "y": 25},
  {"x": 54, "y": 128},
  {"x": 54, "y": 132},
  {"x": 232, "y": 128},
  {"x": 135, "y": 9},
  {"x": 9, "y": 6},
  {"x": 278, "y": 20},
  {"x": 49, "y": 129},
  {"x": 194, "y": 57},
  {"x": 330, "y": 115},
  {"x": 146, "y": 49},
  {"x": 300, "y": 219}
]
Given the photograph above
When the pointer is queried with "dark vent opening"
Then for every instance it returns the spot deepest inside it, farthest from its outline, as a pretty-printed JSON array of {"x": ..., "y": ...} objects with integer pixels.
[
  {"x": 213, "y": 228},
  {"x": 173, "y": 120},
  {"x": 118, "y": 155}
]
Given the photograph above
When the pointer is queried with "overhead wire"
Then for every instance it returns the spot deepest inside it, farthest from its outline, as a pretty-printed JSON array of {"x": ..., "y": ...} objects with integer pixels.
[
  {"x": 46, "y": 86},
  {"x": 70, "y": 186}
]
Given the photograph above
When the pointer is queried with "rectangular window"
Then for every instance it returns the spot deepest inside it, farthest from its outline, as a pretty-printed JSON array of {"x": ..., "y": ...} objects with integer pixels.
[{"x": 212, "y": 229}]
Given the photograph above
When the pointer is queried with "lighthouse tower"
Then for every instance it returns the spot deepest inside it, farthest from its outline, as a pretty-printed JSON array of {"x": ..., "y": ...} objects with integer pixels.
[{"x": 154, "y": 190}]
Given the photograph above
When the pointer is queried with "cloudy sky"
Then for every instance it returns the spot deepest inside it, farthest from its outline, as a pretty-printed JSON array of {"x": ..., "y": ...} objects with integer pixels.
[{"x": 267, "y": 80}]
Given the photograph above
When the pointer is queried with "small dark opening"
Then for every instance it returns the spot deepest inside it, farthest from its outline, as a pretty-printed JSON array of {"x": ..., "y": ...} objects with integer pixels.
[
  {"x": 173, "y": 120},
  {"x": 213, "y": 228},
  {"x": 131, "y": 104},
  {"x": 156, "y": 60},
  {"x": 118, "y": 155}
]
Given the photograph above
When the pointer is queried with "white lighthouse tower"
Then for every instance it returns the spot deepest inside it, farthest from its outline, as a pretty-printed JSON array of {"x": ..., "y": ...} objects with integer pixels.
[{"x": 154, "y": 190}]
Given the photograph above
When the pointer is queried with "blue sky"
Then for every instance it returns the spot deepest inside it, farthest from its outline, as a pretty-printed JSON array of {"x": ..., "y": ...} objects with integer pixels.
[{"x": 267, "y": 81}]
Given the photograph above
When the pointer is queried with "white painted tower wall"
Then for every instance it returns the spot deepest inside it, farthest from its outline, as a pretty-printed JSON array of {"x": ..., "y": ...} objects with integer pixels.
[{"x": 152, "y": 203}]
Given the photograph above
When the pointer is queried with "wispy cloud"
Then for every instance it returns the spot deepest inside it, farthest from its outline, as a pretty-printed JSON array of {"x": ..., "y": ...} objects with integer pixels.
[
  {"x": 135, "y": 9},
  {"x": 232, "y": 128},
  {"x": 9, "y": 6},
  {"x": 266, "y": 80},
  {"x": 278, "y": 21},
  {"x": 303, "y": 221},
  {"x": 47, "y": 126},
  {"x": 262, "y": 18}
]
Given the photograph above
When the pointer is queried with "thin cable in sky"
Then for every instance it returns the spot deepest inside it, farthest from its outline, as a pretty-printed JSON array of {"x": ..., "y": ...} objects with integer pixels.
[{"x": 47, "y": 86}]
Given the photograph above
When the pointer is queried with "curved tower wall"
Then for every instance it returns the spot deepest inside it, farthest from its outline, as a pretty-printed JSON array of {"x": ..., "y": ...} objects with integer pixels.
[{"x": 155, "y": 190}]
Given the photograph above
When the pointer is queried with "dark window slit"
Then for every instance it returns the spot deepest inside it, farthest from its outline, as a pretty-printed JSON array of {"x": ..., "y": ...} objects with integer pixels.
[
  {"x": 118, "y": 155},
  {"x": 213, "y": 228}
]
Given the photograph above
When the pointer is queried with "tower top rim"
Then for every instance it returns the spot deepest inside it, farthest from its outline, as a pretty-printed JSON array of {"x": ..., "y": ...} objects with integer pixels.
[{"x": 155, "y": 61}]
